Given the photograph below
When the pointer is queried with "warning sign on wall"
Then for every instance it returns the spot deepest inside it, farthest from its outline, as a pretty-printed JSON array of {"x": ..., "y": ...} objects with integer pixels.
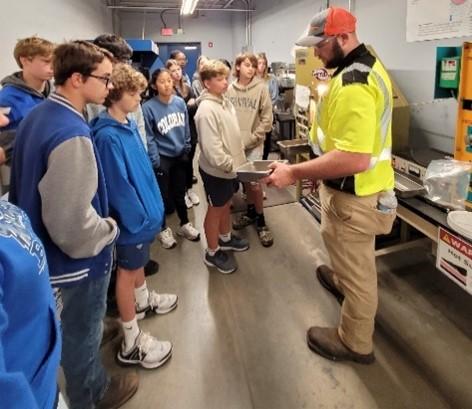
[{"x": 454, "y": 258}]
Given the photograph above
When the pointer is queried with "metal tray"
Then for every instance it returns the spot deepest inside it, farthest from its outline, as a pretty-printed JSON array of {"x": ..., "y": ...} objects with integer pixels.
[
  {"x": 254, "y": 171},
  {"x": 405, "y": 187},
  {"x": 291, "y": 147}
]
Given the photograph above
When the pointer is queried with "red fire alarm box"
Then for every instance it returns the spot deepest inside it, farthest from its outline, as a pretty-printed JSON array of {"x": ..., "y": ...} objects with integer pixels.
[{"x": 166, "y": 31}]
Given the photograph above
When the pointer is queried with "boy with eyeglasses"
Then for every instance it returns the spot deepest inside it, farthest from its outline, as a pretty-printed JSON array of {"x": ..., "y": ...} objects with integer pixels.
[{"x": 57, "y": 179}]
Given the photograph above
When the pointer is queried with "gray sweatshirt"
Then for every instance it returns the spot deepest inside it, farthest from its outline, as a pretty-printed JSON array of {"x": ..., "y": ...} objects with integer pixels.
[
  {"x": 254, "y": 109},
  {"x": 219, "y": 137}
]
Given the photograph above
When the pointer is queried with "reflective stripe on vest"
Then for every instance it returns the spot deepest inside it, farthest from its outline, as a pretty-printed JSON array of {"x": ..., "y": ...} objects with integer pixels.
[{"x": 386, "y": 153}]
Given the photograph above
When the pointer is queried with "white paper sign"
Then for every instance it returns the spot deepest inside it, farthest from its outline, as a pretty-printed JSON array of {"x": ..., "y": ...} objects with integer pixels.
[
  {"x": 454, "y": 259},
  {"x": 302, "y": 96},
  {"x": 438, "y": 19}
]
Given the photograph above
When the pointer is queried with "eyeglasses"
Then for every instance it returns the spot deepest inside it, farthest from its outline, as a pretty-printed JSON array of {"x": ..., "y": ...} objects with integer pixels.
[
  {"x": 105, "y": 80},
  {"x": 323, "y": 42}
]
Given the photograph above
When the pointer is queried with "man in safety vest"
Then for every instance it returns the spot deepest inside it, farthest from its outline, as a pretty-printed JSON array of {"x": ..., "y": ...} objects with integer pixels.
[{"x": 352, "y": 135}]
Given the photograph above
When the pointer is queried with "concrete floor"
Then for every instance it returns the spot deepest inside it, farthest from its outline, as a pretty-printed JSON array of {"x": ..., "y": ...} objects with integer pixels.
[{"x": 239, "y": 340}]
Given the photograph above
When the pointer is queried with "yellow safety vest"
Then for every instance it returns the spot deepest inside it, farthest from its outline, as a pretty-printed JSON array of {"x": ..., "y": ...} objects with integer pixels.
[{"x": 355, "y": 115}]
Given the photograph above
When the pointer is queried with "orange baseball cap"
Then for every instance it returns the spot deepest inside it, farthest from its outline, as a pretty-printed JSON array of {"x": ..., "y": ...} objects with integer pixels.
[{"x": 329, "y": 22}]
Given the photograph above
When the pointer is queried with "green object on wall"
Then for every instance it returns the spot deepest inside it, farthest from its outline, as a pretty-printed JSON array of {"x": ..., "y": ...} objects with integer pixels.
[
  {"x": 444, "y": 53},
  {"x": 450, "y": 72}
]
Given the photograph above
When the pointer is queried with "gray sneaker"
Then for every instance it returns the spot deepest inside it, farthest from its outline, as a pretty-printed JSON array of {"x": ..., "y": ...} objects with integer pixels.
[
  {"x": 222, "y": 261},
  {"x": 236, "y": 243}
]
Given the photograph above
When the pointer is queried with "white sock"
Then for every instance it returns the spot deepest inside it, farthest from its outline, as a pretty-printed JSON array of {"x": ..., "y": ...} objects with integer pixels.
[
  {"x": 131, "y": 331},
  {"x": 211, "y": 252},
  {"x": 141, "y": 295},
  {"x": 225, "y": 237}
]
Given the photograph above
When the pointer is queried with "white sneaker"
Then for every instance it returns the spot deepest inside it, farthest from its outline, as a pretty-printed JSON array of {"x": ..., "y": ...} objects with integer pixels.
[
  {"x": 189, "y": 232},
  {"x": 167, "y": 239},
  {"x": 193, "y": 197},
  {"x": 147, "y": 351},
  {"x": 188, "y": 201},
  {"x": 159, "y": 303}
]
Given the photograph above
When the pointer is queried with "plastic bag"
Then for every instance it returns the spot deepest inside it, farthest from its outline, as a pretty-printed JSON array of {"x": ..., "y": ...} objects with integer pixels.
[{"x": 447, "y": 182}]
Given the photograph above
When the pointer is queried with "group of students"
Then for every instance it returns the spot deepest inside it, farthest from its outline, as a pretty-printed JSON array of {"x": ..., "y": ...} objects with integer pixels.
[{"x": 96, "y": 173}]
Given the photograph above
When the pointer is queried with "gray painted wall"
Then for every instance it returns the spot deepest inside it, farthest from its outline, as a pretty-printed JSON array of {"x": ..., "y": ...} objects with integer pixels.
[
  {"x": 220, "y": 28},
  {"x": 55, "y": 20},
  {"x": 381, "y": 23}
]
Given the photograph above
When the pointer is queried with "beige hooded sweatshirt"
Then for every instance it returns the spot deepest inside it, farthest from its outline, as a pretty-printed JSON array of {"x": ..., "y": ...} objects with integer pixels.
[
  {"x": 219, "y": 137},
  {"x": 254, "y": 109}
]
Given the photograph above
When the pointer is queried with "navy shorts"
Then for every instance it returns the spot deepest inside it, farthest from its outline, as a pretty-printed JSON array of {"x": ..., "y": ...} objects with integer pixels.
[
  {"x": 133, "y": 256},
  {"x": 218, "y": 191}
]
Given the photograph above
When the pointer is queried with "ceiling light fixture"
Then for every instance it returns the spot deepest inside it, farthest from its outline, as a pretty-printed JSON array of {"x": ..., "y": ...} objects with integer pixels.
[{"x": 188, "y": 7}]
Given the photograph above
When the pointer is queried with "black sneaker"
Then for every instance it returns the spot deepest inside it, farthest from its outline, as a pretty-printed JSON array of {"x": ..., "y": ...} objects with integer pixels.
[
  {"x": 235, "y": 244},
  {"x": 152, "y": 267},
  {"x": 222, "y": 261}
]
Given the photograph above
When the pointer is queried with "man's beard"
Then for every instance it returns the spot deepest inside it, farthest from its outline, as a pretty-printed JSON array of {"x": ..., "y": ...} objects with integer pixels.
[{"x": 338, "y": 56}]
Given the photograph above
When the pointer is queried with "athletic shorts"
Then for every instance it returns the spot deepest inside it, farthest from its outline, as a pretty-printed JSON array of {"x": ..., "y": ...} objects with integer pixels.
[
  {"x": 133, "y": 256},
  {"x": 219, "y": 191}
]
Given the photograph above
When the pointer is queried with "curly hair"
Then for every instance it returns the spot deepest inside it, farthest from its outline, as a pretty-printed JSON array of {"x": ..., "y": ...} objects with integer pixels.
[{"x": 125, "y": 79}]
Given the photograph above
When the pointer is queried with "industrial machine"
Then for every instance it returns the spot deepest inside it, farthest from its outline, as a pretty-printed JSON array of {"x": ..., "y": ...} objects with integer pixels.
[
  {"x": 463, "y": 142},
  {"x": 145, "y": 55}
]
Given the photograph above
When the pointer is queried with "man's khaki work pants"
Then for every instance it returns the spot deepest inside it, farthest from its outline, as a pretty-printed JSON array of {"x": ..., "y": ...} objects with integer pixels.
[{"x": 349, "y": 225}]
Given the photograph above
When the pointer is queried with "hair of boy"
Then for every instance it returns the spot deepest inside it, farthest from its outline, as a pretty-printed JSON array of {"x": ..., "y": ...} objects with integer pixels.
[
  {"x": 213, "y": 69},
  {"x": 170, "y": 62},
  {"x": 125, "y": 79},
  {"x": 31, "y": 47},
  {"x": 155, "y": 76},
  {"x": 262, "y": 56},
  {"x": 77, "y": 57},
  {"x": 240, "y": 59},
  {"x": 117, "y": 45},
  {"x": 175, "y": 54}
]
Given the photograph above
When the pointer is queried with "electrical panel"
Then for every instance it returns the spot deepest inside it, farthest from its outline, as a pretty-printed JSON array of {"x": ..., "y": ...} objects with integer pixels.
[{"x": 450, "y": 72}]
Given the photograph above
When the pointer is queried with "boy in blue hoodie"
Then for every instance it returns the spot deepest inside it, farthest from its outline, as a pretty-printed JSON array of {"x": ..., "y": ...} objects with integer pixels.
[
  {"x": 25, "y": 89},
  {"x": 136, "y": 204},
  {"x": 168, "y": 133}
]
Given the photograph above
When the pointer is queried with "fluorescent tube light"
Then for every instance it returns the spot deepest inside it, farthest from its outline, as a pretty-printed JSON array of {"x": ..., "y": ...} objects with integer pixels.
[{"x": 188, "y": 7}]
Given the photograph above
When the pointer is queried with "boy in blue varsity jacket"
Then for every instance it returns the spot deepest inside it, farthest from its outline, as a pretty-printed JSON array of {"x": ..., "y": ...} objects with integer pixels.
[
  {"x": 168, "y": 133},
  {"x": 58, "y": 180},
  {"x": 25, "y": 89},
  {"x": 136, "y": 204}
]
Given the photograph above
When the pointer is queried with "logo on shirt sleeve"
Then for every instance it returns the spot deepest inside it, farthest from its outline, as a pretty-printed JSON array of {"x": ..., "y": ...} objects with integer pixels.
[{"x": 14, "y": 225}]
